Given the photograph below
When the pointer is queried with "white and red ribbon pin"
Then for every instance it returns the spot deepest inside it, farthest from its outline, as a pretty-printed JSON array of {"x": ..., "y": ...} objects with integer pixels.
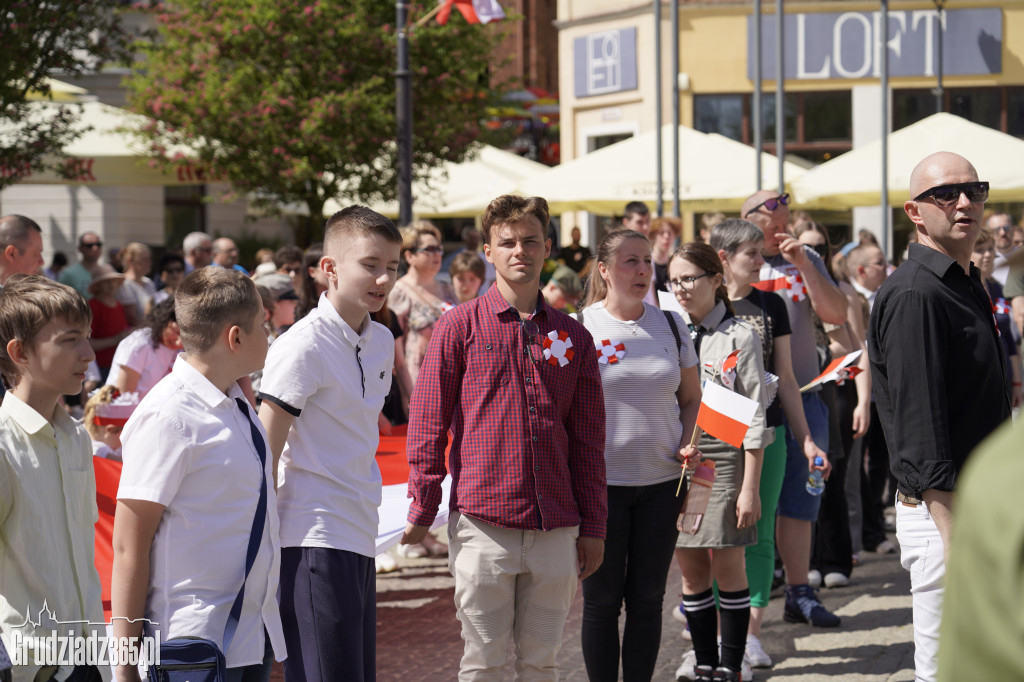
[
  {"x": 558, "y": 348},
  {"x": 609, "y": 352}
]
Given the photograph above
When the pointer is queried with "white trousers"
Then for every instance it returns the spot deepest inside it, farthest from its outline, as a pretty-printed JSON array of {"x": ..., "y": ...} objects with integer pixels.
[
  {"x": 921, "y": 553},
  {"x": 517, "y": 583}
]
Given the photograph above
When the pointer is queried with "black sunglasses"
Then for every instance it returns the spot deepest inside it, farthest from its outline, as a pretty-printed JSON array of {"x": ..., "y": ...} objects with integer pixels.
[
  {"x": 770, "y": 204},
  {"x": 530, "y": 333},
  {"x": 429, "y": 249},
  {"x": 91, "y": 245},
  {"x": 947, "y": 195}
]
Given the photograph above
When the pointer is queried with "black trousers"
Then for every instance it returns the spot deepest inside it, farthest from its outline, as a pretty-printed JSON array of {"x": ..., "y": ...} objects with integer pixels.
[
  {"x": 832, "y": 547},
  {"x": 329, "y": 614},
  {"x": 637, "y": 555}
]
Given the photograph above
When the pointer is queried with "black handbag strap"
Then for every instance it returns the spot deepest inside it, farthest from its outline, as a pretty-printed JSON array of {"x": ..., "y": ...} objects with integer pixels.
[
  {"x": 675, "y": 331},
  {"x": 256, "y": 534}
]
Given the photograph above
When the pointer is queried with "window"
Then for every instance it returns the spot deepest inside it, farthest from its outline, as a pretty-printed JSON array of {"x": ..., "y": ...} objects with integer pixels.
[
  {"x": 999, "y": 108},
  {"x": 819, "y": 125},
  {"x": 722, "y": 114}
]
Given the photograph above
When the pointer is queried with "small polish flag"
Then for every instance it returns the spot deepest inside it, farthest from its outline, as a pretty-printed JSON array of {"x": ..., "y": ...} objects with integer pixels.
[
  {"x": 475, "y": 11},
  {"x": 832, "y": 372},
  {"x": 725, "y": 415}
]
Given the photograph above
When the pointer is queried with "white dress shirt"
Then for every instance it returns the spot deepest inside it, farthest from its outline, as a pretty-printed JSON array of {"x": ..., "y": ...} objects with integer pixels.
[
  {"x": 189, "y": 448},
  {"x": 329, "y": 484}
]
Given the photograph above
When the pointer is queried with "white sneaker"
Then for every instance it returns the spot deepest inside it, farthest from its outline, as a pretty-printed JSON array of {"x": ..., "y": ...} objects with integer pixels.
[
  {"x": 687, "y": 671},
  {"x": 755, "y": 654},
  {"x": 385, "y": 563},
  {"x": 885, "y": 547},
  {"x": 679, "y": 615},
  {"x": 836, "y": 580},
  {"x": 814, "y": 578},
  {"x": 746, "y": 674}
]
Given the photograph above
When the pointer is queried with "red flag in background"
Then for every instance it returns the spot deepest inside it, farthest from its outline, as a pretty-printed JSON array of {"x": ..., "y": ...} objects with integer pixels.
[{"x": 475, "y": 11}]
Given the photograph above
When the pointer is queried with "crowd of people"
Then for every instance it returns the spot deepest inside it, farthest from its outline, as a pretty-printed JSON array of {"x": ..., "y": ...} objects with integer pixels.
[{"x": 559, "y": 394}]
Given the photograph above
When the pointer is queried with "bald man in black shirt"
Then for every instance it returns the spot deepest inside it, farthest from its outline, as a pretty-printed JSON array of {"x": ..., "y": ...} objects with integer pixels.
[{"x": 938, "y": 369}]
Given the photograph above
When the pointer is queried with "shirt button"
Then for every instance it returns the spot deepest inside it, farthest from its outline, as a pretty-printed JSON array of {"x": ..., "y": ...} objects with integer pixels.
[
  {"x": 532, "y": 408},
  {"x": 487, "y": 346},
  {"x": 533, "y": 438},
  {"x": 529, "y": 380},
  {"x": 536, "y": 468}
]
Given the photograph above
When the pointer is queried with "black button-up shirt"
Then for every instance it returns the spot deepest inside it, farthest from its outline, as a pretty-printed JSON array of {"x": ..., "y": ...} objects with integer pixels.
[{"x": 938, "y": 369}]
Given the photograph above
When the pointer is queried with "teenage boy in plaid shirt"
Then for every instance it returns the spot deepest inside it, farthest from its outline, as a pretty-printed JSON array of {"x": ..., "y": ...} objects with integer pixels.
[{"x": 517, "y": 383}]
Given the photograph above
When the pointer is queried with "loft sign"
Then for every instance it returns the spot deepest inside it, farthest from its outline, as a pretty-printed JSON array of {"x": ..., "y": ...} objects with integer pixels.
[{"x": 848, "y": 45}]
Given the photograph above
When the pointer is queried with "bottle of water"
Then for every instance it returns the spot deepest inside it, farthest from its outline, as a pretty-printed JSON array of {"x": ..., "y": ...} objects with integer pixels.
[{"x": 815, "y": 482}]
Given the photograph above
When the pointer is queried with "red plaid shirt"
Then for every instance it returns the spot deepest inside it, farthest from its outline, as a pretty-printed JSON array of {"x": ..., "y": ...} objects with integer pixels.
[{"x": 528, "y": 436}]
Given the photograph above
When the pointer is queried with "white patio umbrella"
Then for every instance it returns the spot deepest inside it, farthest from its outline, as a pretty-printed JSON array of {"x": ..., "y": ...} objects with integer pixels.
[
  {"x": 716, "y": 174},
  {"x": 854, "y": 178},
  {"x": 108, "y": 154},
  {"x": 463, "y": 189}
]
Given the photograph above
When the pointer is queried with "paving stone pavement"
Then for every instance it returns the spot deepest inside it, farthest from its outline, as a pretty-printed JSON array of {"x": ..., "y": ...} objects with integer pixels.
[{"x": 418, "y": 633}]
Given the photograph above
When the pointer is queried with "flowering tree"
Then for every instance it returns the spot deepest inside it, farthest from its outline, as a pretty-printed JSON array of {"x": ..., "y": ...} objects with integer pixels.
[
  {"x": 39, "y": 38},
  {"x": 293, "y": 101}
]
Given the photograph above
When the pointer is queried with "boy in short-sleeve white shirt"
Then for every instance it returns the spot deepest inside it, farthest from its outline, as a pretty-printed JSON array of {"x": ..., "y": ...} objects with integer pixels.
[
  {"x": 324, "y": 385},
  {"x": 196, "y": 463},
  {"x": 182, "y": 444}
]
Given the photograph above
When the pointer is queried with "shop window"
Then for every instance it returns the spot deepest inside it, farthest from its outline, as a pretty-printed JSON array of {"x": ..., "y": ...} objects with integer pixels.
[
  {"x": 980, "y": 106},
  {"x": 910, "y": 106},
  {"x": 827, "y": 116},
  {"x": 722, "y": 114},
  {"x": 1015, "y": 111},
  {"x": 768, "y": 116}
]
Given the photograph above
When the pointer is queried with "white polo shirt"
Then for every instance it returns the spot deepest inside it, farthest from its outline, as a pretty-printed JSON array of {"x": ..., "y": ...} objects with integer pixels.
[
  {"x": 189, "y": 447},
  {"x": 329, "y": 484}
]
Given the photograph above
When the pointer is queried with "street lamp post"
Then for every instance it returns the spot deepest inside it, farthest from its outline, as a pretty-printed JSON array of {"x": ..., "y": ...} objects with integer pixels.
[
  {"x": 403, "y": 115},
  {"x": 938, "y": 91}
]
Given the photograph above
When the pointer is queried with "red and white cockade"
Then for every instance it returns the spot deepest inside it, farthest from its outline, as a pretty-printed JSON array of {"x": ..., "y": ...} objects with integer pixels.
[
  {"x": 610, "y": 352},
  {"x": 558, "y": 348}
]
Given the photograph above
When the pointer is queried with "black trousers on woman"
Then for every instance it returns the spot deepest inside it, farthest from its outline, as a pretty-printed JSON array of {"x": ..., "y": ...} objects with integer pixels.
[{"x": 638, "y": 552}]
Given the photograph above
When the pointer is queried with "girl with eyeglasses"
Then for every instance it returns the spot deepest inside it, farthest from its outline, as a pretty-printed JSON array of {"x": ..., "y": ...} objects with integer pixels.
[
  {"x": 716, "y": 551},
  {"x": 651, "y": 394}
]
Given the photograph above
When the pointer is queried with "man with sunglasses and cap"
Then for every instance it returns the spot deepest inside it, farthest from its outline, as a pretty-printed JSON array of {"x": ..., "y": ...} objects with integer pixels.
[
  {"x": 797, "y": 274},
  {"x": 939, "y": 371},
  {"x": 517, "y": 384}
]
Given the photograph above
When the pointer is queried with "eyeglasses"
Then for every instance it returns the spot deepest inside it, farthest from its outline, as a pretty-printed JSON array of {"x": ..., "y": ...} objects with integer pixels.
[
  {"x": 1003, "y": 228},
  {"x": 173, "y": 271},
  {"x": 770, "y": 204},
  {"x": 685, "y": 283},
  {"x": 530, "y": 333},
  {"x": 948, "y": 195},
  {"x": 91, "y": 245},
  {"x": 429, "y": 249},
  {"x": 822, "y": 250},
  {"x": 292, "y": 271}
]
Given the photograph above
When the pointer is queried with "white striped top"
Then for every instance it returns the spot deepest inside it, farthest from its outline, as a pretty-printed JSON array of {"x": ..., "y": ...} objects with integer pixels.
[{"x": 643, "y": 429}]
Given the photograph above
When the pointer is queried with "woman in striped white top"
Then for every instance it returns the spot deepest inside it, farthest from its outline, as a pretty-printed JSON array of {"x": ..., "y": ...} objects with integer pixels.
[{"x": 651, "y": 394}]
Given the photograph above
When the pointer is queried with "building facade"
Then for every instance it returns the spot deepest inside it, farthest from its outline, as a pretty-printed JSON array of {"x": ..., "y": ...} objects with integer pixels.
[{"x": 832, "y": 59}]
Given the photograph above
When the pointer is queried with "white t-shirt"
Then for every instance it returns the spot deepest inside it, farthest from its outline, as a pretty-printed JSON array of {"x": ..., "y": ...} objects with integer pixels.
[
  {"x": 643, "y": 431},
  {"x": 189, "y": 447},
  {"x": 136, "y": 352},
  {"x": 329, "y": 484}
]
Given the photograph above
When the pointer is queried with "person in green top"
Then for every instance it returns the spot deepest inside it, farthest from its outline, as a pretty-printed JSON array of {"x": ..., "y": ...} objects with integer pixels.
[{"x": 983, "y": 616}]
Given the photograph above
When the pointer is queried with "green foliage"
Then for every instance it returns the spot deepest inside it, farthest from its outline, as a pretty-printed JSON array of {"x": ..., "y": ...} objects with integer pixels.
[
  {"x": 293, "y": 101},
  {"x": 40, "y": 38}
]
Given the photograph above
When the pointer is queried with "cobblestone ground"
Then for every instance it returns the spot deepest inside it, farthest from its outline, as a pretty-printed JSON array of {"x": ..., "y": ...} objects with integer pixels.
[{"x": 418, "y": 634}]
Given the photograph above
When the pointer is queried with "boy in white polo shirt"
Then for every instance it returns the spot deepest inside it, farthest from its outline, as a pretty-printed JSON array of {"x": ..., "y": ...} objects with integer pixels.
[
  {"x": 324, "y": 385},
  {"x": 197, "y": 477}
]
